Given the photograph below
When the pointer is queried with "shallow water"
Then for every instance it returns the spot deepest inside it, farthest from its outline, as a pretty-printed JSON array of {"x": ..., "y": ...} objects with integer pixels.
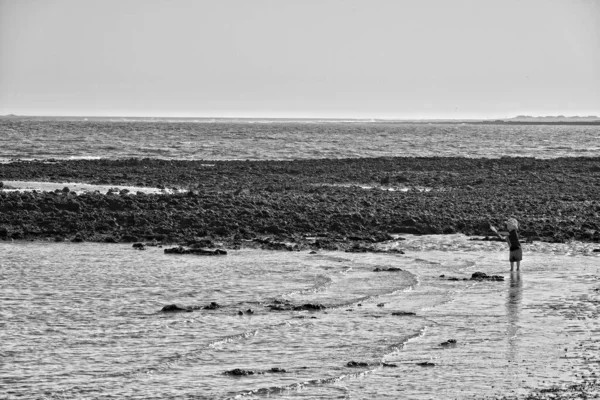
[
  {"x": 284, "y": 140},
  {"x": 84, "y": 321}
]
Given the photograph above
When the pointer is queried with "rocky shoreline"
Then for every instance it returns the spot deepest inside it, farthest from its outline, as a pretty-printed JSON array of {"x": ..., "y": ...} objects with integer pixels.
[{"x": 336, "y": 204}]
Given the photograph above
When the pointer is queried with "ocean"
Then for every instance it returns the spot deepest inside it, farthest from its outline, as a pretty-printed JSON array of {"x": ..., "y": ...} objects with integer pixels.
[
  {"x": 273, "y": 140},
  {"x": 84, "y": 320}
]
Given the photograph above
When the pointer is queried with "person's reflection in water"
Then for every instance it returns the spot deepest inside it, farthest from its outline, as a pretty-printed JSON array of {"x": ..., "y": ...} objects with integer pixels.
[{"x": 513, "y": 311}]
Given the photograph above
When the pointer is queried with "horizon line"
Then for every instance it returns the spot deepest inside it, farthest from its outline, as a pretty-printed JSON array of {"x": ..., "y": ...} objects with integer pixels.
[{"x": 12, "y": 115}]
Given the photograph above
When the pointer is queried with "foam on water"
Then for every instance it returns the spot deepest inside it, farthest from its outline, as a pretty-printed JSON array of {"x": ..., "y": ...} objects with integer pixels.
[
  {"x": 84, "y": 321},
  {"x": 27, "y": 186}
]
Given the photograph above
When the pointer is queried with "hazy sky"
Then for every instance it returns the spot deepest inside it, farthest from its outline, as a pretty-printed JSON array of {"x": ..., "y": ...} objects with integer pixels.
[{"x": 312, "y": 58}]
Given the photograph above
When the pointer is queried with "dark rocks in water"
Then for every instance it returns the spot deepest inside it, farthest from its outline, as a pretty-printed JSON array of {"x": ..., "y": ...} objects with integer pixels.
[
  {"x": 380, "y": 304},
  {"x": 596, "y": 251},
  {"x": 357, "y": 364},
  {"x": 403, "y": 313},
  {"x": 482, "y": 276},
  {"x": 390, "y": 269},
  {"x": 197, "y": 251},
  {"x": 139, "y": 246},
  {"x": 175, "y": 308},
  {"x": 310, "y": 307},
  {"x": 246, "y": 372},
  {"x": 176, "y": 250},
  {"x": 241, "y": 372},
  {"x": 277, "y": 370},
  {"x": 453, "y": 278},
  {"x": 358, "y": 248},
  {"x": 240, "y": 313},
  {"x": 389, "y": 365},
  {"x": 249, "y": 311},
  {"x": 449, "y": 343},
  {"x": 426, "y": 364},
  {"x": 209, "y": 252},
  {"x": 562, "y": 194},
  {"x": 212, "y": 306},
  {"x": 279, "y": 306}
]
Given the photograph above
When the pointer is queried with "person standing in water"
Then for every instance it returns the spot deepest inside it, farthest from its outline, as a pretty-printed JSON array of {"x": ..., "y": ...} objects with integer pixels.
[{"x": 516, "y": 254}]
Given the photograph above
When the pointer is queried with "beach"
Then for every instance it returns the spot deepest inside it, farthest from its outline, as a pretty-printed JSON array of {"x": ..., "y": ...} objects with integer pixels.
[
  {"x": 304, "y": 241},
  {"x": 374, "y": 276}
]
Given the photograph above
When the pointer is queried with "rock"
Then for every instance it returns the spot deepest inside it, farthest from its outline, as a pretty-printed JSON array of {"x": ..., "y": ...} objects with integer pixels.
[
  {"x": 310, "y": 307},
  {"x": 78, "y": 238},
  {"x": 240, "y": 372},
  {"x": 203, "y": 252},
  {"x": 250, "y": 311},
  {"x": 240, "y": 313},
  {"x": 175, "y": 308},
  {"x": 426, "y": 364},
  {"x": 403, "y": 313},
  {"x": 273, "y": 229},
  {"x": 139, "y": 246},
  {"x": 355, "y": 364},
  {"x": 390, "y": 269},
  {"x": 276, "y": 370},
  {"x": 380, "y": 304},
  {"x": 212, "y": 306},
  {"x": 448, "y": 343},
  {"x": 285, "y": 306},
  {"x": 406, "y": 229},
  {"x": 481, "y": 276},
  {"x": 596, "y": 251},
  {"x": 387, "y": 365},
  {"x": 358, "y": 248},
  {"x": 409, "y": 222}
]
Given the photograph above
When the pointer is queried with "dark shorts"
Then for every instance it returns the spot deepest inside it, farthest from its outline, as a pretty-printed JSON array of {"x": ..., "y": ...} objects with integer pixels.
[{"x": 515, "y": 255}]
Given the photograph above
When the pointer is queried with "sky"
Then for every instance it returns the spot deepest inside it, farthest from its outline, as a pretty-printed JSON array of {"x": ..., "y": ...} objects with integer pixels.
[{"x": 397, "y": 59}]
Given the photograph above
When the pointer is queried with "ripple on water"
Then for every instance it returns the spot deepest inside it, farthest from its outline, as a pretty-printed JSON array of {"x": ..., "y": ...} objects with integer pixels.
[{"x": 83, "y": 320}]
